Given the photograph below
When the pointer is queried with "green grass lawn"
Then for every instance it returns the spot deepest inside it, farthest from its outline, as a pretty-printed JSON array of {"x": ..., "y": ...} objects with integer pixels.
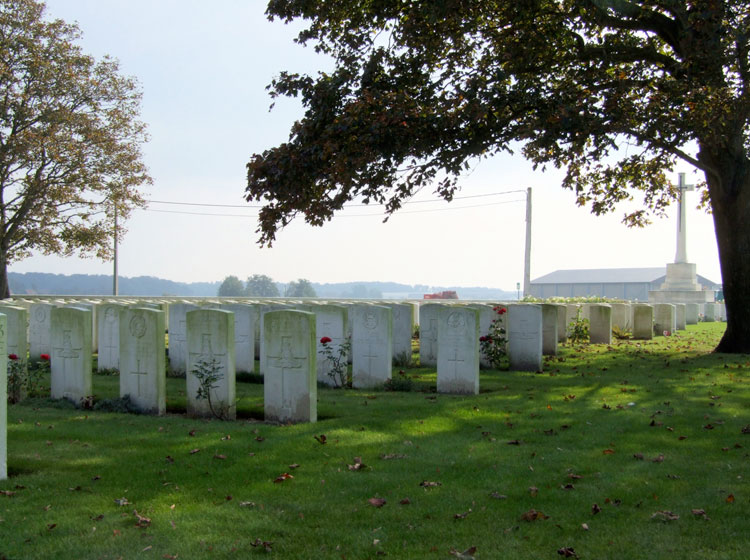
[{"x": 597, "y": 445}]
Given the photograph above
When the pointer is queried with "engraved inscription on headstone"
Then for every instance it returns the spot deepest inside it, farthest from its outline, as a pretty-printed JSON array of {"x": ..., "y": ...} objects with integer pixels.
[
  {"x": 142, "y": 360},
  {"x": 290, "y": 386},
  {"x": 458, "y": 350}
]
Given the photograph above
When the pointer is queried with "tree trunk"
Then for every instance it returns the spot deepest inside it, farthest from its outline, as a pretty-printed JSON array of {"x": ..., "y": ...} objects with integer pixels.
[
  {"x": 4, "y": 285},
  {"x": 730, "y": 202}
]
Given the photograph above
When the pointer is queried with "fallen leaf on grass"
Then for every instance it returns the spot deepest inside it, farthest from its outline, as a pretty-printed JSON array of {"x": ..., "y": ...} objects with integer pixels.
[
  {"x": 247, "y": 504},
  {"x": 377, "y": 502},
  {"x": 321, "y": 439},
  {"x": 665, "y": 516},
  {"x": 746, "y": 429},
  {"x": 730, "y": 499},
  {"x": 220, "y": 456},
  {"x": 514, "y": 442},
  {"x": 358, "y": 464},
  {"x": 638, "y": 456},
  {"x": 585, "y": 526},
  {"x": 659, "y": 459},
  {"x": 467, "y": 554},
  {"x": 405, "y": 502},
  {"x": 498, "y": 496},
  {"x": 609, "y": 451},
  {"x": 533, "y": 515},
  {"x": 97, "y": 518},
  {"x": 283, "y": 477},
  {"x": 463, "y": 515},
  {"x": 260, "y": 439},
  {"x": 194, "y": 451},
  {"x": 8, "y": 493},
  {"x": 595, "y": 509},
  {"x": 265, "y": 544},
  {"x": 533, "y": 490},
  {"x": 191, "y": 433},
  {"x": 51, "y": 526},
  {"x": 567, "y": 552},
  {"x": 122, "y": 501},
  {"x": 143, "y": 521},
  {"x": 294, "y": 466},
  {"x": 389, "y": 456},
  {"x": 169, "y": 459},
  {"x": 575, "y": 476},
  {"x": 429, "y": 484},
  {"x": 700, "y": 513}
]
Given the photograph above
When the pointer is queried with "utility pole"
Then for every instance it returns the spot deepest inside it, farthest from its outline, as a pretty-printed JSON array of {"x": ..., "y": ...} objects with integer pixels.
[
  {"x": 527, "y": 256},
  {"x": 115, "y": 285}
]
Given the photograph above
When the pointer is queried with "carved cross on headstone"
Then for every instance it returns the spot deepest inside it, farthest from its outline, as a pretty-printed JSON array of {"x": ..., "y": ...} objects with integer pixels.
[
  {"x": 681, "y": 255},
  {"x": 456, "y": 360},
  {"x": 138, "y": 375},
  {"x": 65, "y": 354},
  {"x": 289, "y": 364},
  {"x": 370, "y": 355}
]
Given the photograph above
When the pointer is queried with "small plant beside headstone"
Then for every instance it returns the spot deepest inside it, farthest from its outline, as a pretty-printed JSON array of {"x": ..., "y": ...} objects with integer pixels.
[
  {"x": 578, "y": 329},
  {"x": 208, "y": 373},
  {"x": 17, "y": 379},
  {"x": 337, "y": 359},
  {"x": 493, "y": 344}
]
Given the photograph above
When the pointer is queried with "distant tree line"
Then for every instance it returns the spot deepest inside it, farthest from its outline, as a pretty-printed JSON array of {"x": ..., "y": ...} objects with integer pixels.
[{"x": 260, "y": 285}]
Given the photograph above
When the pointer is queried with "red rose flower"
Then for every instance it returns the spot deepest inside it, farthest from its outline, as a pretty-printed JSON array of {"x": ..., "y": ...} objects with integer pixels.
[
  {"x": 12, "y": 357},
  {"x": 501, "y": 311},
  {"x": 44, "y": 357},
  {"x": 325, "y": 340}
]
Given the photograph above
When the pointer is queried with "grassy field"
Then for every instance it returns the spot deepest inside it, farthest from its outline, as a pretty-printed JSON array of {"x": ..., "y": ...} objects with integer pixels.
[{"x": 637, "y": 450}]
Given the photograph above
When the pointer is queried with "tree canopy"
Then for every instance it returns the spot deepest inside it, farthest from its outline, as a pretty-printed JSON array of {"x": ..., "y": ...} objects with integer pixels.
[
  {"x": 613, "y": 91},
  {"x": 70, "y": 141},
  {"x": 262, "y": 286},
  {"x": 300, "y": 288},
  {"x": 231, "y": 286}
]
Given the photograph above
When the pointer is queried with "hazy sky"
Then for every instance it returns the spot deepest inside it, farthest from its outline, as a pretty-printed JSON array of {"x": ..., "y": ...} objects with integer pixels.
[{"x": 204, "y": 66}]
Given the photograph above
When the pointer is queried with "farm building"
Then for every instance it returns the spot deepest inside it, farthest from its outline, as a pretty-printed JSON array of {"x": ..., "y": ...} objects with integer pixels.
[{"x": 618, "y": 283}]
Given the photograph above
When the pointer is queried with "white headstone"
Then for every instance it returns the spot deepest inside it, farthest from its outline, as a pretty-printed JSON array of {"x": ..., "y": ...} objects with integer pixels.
[
  {"x": 142, "y": 358},
  {"x": 709, "y": 312},
  {"x": 178, "y": 335},
  {"x": 289, "y": 387},
  {"x": 429, "y": 314},
  {"x": 39, "y": 330},
  {"x": 549, "y": 328},
  {"x": 108, "y": 328},
  {"x": 403, "y": 329},
  {"x": 680, "y": 316},
  {"x": 331, "y": 322},
  {"x": 692, "y": 312},
  {"x": 70, "y": 376},
  {"x": 372, "y": 350},
  {"x": 3, "y": 401},
  {"x": 622, "y": 316},
  {"x": 664, "y": 319},
  {"x": 600, "y": 323},
  {"x": 458, "y": 351},
  {"x": 16, "y": 341},
  {"x": 210, "y": 347},
  {"x": 562, "y": 325},
  {"x": 525, "y": 337},
  {"x": 265, "y": 308},
  {"x": 643, "y": 321},
  {"x": 245, "y": 319}
]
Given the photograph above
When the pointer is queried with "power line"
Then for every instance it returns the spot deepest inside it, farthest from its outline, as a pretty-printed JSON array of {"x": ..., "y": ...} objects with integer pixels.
[
  {"x": 337, "y": 215},
  {"x": 177, "y": 203}
]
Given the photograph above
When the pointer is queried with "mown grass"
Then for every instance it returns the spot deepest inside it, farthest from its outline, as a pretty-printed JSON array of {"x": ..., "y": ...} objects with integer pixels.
[{"x": 521, "y": 444}]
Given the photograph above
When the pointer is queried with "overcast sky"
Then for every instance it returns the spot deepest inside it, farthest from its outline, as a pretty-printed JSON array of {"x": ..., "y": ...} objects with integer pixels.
[{"x": 204, "y": 67}]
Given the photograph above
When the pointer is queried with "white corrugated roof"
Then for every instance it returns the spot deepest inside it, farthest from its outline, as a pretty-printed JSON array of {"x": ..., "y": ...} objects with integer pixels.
[{"x": 608, "y": 276}]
